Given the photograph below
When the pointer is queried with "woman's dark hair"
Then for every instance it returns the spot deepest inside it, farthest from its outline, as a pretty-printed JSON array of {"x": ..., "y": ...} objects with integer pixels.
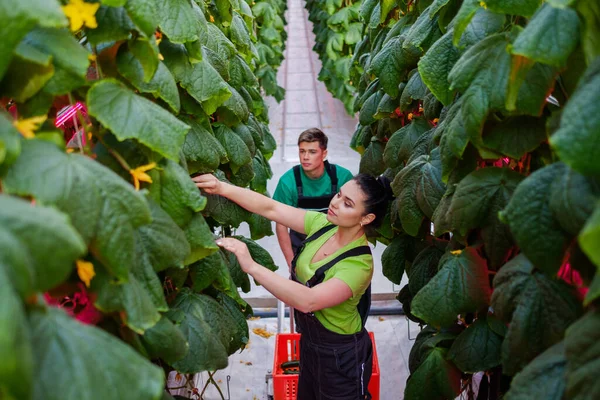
[{"x": 378, "y": 193}]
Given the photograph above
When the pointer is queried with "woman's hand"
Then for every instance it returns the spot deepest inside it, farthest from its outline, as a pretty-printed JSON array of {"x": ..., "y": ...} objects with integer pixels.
[
  {"x": 240, "y": 250},
  {"x": 209, "y": 183}
]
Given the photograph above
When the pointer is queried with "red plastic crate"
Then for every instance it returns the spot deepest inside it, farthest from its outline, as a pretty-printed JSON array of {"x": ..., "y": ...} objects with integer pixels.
[{"x": 287, "y": 347}]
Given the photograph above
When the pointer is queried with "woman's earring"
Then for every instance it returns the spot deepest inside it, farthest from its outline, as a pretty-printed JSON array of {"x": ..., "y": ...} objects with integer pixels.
[{"x": 361, "y": 225}]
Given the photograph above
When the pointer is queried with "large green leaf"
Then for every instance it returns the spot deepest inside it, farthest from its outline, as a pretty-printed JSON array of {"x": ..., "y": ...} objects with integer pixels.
[
  {"x": 201, "y": 239},
  {"x": 572, "y": 200},
  {"x": 392, "y": 63},
  {"x": 232, "y": 306},
  {"x": 64, "y": 348},
  {"x": 237, "y": 151},
  {"x": 577, "y": 139},
  {"x": 476, "y": 203},
  {"x": 524, "y": 8},
  {"x": 26, "y": 75},
  {"x": 400, "y": 146},
  {"x": 516, "y": 136},
  {"x": 139, "y": 300},
  {"x": 128, "y": 116},
  {"x": 460, "y": 286},
  {"x": 144, "y": 13},
  {"x": 179, "y": 20},
  {"x": 435, "y": 379},
  {"x": 219, "y": 43},
  {"x": 113, "y": 25},
  {"x": 435, "y": 66},
  {"x": 428, "y": 339},
  {"x": 372, "y": 160},
  {"x": 423, "y": 268},
  {"x": 103, "y": 207},
  {"x": 482, "y": 73},
  {"x": 415, "y": 90},
  {"x": 239, "y": 33},
  {"x": 590, "y": 236},
  {"x": 424, "y": 32},
  {"x": 543, "y": 41},
  {"x": 200, "y": 79},
  {"x": 224, "y": 211},
  {"x": 477, "y": 348},
  {"x": 162, "y": 85},
  {"x": 583, "y": 354},
  {"x": 16, "y": 369},
  {"x": 65, "y": 50},
  {"x": 419, "y": 187},
  {"x": 164, "y": 340},
  {"x": 158, "y": 246},
  {"x": 162, "y": 242},
  {"x": 211, "y": 270},
  {"x": 176, "y": 193},
  {"x": 543, "y": 378},
  {"x": 590, "y": 13},
  {"x": 10, "y": 142},
  {"x": 532, "y": 222},
  {"x": 234, "y": 110},
  {"x": 537, "y": 308},
  {"x": 258, "y": 253},
  {"x": 208, "y": 329},
  {"x": 393, "y": 259},
  {"x": 259, "y": 227},
  {"x": 203, "y": 152},
  {"x": 19, "y": 17}
]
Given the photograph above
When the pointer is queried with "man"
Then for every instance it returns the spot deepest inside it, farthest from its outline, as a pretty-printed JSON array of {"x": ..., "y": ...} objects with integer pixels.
[{"x": 310, "y": 185}]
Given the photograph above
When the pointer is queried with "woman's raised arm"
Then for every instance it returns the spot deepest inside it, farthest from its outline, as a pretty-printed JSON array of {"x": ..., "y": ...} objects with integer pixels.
[{"x": 254, "y": 202}]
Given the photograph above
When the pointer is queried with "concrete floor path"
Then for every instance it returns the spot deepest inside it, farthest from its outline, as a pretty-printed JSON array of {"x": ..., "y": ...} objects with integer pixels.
[{"x": 307, "y": 104}]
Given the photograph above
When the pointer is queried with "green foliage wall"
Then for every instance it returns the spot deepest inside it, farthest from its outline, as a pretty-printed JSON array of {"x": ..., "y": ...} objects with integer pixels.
[
  {"x": 485, "y": 116},
  {"x": 109, "y": 274}
]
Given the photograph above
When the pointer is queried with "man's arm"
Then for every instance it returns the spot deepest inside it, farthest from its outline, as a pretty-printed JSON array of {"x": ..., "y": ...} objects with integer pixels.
[{"x": 285, "y": 243}]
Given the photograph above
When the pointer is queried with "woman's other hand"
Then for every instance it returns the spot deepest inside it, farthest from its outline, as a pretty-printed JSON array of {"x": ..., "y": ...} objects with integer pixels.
[
  {"x": 240, "y": 250},
  {"x": 209, "y": 183}
]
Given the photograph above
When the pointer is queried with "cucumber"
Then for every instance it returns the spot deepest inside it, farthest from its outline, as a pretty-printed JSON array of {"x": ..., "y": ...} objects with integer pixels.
[{"x": 290, "y": 364}]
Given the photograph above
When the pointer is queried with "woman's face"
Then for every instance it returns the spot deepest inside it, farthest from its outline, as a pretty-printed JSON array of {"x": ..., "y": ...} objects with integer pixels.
[{"x": 347, "y": 209}]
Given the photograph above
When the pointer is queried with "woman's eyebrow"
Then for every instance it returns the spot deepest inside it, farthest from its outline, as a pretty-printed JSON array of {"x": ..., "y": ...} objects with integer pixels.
[{"x": 347, "y": 198}]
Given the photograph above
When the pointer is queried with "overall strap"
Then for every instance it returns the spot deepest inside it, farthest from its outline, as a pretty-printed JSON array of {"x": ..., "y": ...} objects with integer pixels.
[
  {"x": 298, "y": 180},
  {"x": 320, "y": 273},
  {"x": 312, "y": 237},
  {"x": 332, "y": 172}
]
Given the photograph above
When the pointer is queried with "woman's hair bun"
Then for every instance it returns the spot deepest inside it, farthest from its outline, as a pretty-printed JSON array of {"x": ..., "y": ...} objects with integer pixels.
[{"x": 387, "y": 187}]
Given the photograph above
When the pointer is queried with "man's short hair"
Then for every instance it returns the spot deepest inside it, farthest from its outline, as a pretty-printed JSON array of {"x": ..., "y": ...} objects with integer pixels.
[{"x": 314, "y": 135}]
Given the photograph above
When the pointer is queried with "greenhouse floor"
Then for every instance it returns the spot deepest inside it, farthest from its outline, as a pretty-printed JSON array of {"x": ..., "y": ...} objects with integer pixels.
[{"x": 308, "y": 104}]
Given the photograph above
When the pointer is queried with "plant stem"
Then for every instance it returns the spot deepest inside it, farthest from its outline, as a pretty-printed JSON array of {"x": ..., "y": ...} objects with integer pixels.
[{"x": 117, "y": 156}]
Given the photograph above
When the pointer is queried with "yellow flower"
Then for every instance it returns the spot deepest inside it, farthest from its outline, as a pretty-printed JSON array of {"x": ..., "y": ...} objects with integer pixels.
[
  {"x": 456, "y": 252},
  {"x": 139, "y": 174},
  {"x": 160, "y": 57},
  {"x": 435, "y": 120},
  {"x": 85, "y": 270},
  {"x": 28, "y": 126},
  {"x": 482, "y": 4},
  {"x": 92, "y": 57},
  {"x": 410, "y": 116},
  {"x": 81, "y": 13}
]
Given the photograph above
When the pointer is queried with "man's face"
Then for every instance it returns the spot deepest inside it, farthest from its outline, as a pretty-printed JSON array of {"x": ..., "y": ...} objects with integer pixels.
[{"x": 311, "y": 156}]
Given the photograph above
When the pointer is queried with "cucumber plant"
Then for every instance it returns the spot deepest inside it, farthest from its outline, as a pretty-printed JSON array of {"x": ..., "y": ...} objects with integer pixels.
[
  {"x": 485, "y": 116},
  {"x": 109, "y": 273}
]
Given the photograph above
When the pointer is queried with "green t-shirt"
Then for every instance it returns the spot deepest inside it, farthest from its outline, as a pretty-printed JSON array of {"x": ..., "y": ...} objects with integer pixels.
[
  {"x": 356, "y": 272},
  {"x": 287, "y": 193}
]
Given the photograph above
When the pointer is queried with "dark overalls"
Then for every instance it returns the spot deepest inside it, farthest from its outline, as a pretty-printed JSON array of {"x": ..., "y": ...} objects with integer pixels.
[
  {"x": 333, "y": 366},
  {"x": 318, "y": 203}
]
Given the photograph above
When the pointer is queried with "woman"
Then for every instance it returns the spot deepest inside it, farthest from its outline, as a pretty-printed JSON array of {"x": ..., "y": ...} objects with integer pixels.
[{"x": 330, "y": 274}]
